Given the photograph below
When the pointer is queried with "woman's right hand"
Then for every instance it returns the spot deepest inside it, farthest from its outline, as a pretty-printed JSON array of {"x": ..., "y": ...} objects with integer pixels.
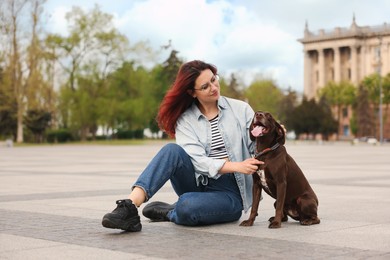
[{"x": 249, "y": 166}]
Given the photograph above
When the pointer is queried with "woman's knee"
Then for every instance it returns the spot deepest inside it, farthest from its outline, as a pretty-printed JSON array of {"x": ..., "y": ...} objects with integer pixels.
[
  {"x": 191, "y": 211},
  {"x": 186, "y": 210},
  {"x": 173, "y": 149}
]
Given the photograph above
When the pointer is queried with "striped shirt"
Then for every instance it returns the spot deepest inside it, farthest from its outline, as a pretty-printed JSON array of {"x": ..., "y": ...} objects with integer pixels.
[{"x": 218, "y": 149}]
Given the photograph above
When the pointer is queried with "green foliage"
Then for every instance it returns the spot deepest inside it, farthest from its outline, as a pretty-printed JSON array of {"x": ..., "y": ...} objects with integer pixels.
[
  {"x": 21, "y": 56},
  {"x": 8, "y": 107},
  {"x": 364, "y": 114},
  {"x": 94, "y": 47},
  {"x": 311, "y": 117},
  {"x": 105, "y": 86},
  {"x": 37, "y": 121},
  {"x": 59, "y": 136},
  {"x": 354, "y": 124},
  {"x": 287, "y": 106},
  {"x": 231, "y": 89},
  {"x": 130, "y": 94},
  {"x": 386, "y": 89},
  {"x": 129, "y": 134},
  {"x": 372, "y": 84},
  {"x": 264, "y": 95},
  {"x": 328, "y": 125},
  {"x": 306, "y": 118},
  {"x": 7, "y": 124},
  {"x": 339, "y": 94}
]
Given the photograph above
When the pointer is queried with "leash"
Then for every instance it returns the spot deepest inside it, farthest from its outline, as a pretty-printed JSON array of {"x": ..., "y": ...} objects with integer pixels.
[{"x": 266, "y": 150}]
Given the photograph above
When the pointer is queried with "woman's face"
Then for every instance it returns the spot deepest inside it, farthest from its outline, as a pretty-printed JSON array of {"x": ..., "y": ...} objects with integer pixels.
[{"x": 206, "y": 87}]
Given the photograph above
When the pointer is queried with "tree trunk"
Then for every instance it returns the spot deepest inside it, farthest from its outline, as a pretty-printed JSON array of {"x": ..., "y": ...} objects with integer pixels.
[{"x": 19, "y": 132}]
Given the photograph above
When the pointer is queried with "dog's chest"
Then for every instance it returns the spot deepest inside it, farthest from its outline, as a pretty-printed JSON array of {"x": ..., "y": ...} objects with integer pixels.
[{"x": 263, "y": 180}]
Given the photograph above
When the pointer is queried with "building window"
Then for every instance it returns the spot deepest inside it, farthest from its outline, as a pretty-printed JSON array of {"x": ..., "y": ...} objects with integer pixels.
[
  {"x": 317, "y": 78},
  {"x": 349, "y": 74},
  {"x": 345, "y": 112}
]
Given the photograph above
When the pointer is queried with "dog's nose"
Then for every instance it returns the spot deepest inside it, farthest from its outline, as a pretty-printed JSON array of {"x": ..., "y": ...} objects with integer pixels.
[{"x": 258, "y": 113}]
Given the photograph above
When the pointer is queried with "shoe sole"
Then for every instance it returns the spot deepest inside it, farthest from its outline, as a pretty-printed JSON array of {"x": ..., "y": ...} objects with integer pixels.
[{"x": 124, "y": 225}]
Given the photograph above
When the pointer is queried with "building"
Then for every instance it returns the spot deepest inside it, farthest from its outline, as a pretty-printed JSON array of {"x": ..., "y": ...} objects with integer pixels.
[{"x": 344, "y": 54}]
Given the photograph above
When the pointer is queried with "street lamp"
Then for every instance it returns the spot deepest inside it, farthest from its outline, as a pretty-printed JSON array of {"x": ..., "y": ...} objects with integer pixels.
[{"x": 380, "y": 91}]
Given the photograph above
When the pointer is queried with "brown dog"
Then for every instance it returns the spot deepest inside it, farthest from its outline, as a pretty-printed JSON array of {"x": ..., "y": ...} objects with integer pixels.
[{"x": 279, "y": 176}]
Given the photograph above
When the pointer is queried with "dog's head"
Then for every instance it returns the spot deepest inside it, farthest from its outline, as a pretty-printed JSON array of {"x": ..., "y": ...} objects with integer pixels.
[{"x": 264, "y": 125}]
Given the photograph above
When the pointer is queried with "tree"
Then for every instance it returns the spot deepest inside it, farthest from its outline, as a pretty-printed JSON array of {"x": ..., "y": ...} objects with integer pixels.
[
  {"x": 287, "y": 105},
  {"x": 264, "y": 95},
  {"x": 339, "y": 95},
  {"x": 313, "y": 118},
  {"x": 386, "y": 95},
  {"x": 328, "y": 125},
  {"x": 163, "y": 77},
  {"x": 306, "y": 118},
  {"x": 37, "y": 121},
  {"x": 231, "y": 89},
  {"x": 365, "y": 119},
  {"x": 371, "y": 84},
  {"x": 21, "y": 18},
  {"x": 93, "y": 49},
  {"x": 11, "y": 12},
  {"x": 170, "y": 68},
  {"x": 8, "y": 108}
]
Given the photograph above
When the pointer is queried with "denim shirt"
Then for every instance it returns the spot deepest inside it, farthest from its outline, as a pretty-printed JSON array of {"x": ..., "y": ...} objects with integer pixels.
[{"x": 193, "y": 133}]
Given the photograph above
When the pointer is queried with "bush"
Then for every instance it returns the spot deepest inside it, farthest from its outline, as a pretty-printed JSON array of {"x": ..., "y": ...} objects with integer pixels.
[
  {"x": 59, "y": 136},
  {"x": 138, "y": 134},
  {"x": 130, "y": 134}
]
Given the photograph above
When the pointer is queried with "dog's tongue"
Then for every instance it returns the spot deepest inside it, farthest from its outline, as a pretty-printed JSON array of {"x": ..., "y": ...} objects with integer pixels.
[{"x": 258, "y": 130}]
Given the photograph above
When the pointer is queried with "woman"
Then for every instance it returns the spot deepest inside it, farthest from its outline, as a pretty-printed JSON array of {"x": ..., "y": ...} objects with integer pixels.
[{"x": 210, "y": 165}]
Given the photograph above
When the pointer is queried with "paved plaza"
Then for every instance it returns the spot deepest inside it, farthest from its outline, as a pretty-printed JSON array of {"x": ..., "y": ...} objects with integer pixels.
[{"x": 52, "y": 199}]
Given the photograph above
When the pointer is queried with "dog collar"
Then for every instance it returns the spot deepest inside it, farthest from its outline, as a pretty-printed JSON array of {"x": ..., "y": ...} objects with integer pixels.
[{"x": 266, "y": 150}]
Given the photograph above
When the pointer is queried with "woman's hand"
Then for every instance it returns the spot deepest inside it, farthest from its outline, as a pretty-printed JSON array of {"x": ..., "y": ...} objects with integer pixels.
[{"x": 248, "y": 166}]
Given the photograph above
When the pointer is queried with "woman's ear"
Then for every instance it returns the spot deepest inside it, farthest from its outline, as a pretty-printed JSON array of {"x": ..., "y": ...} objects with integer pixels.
[{"x": 191, "y": 92}]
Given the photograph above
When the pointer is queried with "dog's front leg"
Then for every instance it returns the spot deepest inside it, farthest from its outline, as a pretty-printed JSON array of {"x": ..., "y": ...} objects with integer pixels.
[
  {"x": 280, "y": 198},
  {"x": 256, "y": 191}
]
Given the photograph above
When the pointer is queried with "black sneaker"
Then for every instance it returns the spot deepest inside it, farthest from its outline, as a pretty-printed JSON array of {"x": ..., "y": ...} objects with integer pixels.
[
  {"x": 157, "y": 211},
  {"x": 124, "y": 217}
]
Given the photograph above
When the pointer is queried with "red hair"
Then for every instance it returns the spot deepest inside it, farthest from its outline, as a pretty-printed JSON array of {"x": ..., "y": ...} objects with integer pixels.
[{"x": 178, "y": 98}]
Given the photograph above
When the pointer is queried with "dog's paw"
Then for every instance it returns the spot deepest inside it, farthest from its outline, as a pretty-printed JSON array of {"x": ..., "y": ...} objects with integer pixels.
[
  {"x": 247, "y": 223},
  {"x": 274, "y": 224},
  {"x": 284, "y": 219},
  {"x": 308, "y": 222}
]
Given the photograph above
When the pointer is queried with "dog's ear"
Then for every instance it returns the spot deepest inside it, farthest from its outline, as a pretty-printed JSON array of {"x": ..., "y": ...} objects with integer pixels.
[
  {"x": 281, "y": 134},
  {"x": 250, "y": 130}
]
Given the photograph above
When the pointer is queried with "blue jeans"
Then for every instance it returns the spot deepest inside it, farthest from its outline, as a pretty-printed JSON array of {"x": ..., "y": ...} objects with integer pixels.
[{"x": 217, "y": 202}]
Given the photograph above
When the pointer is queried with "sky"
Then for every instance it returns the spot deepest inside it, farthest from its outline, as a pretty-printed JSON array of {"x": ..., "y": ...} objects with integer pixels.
[{"x": 250, "y": 38}]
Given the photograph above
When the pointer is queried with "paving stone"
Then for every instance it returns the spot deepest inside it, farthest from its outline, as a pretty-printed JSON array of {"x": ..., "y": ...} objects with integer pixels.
[{"x": 52, "y": 199}]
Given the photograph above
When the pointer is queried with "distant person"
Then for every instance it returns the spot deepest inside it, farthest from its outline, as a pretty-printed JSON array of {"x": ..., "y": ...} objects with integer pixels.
[{"x": 210, "y": 165}]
